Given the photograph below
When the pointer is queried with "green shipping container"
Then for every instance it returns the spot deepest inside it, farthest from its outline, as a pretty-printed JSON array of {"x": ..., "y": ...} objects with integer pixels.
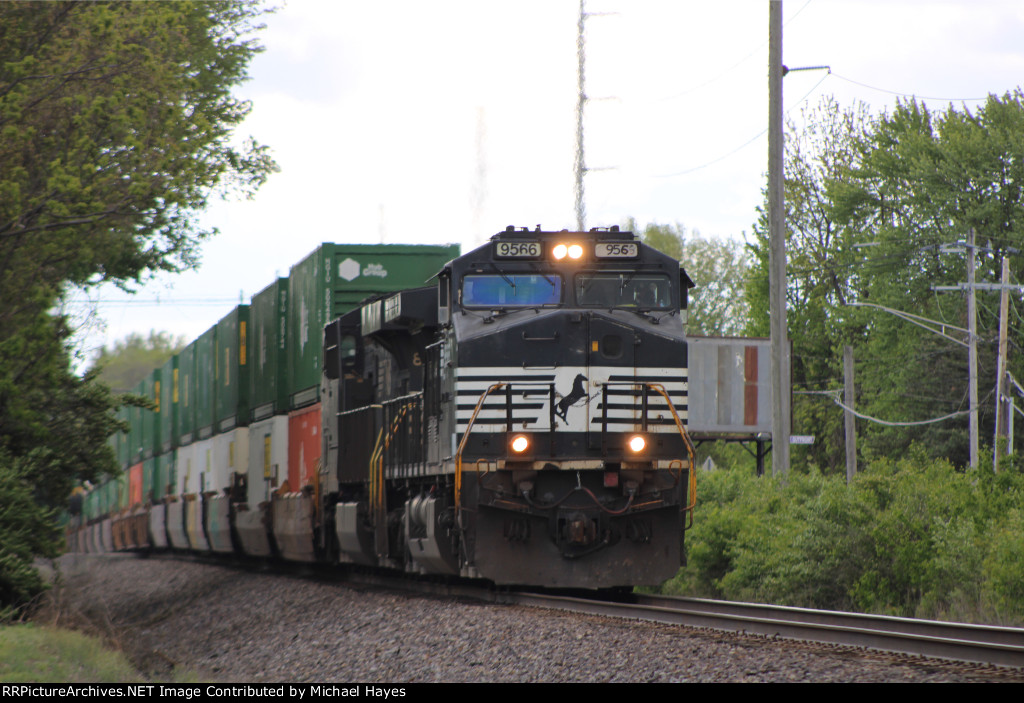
[
  {"x": 137, "y": 439},
  {"x": 187, "y": 394},
  {"x": 268, "y": 351},
  {"x": 206, "y": 383},
  {"x": 166, "y": 477},
  {"x": 169, "y": 429},
  {"x": 150, "y": 478},
  {"x": 231, "y": 369},
  {"x": 151, "y": 418},
  {"x": 333, "y": 280},
  {"x": 119, "y": 440}
]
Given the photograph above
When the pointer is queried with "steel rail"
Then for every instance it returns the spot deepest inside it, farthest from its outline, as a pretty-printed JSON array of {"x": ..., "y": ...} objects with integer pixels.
[{"x": 985, "y": 644}]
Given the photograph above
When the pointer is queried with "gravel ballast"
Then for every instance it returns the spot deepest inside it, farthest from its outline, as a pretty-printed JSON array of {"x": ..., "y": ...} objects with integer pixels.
[{"x": 233, "y": 625}]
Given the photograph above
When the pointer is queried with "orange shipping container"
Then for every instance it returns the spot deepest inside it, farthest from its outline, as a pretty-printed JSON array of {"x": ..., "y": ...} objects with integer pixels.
[
  {"x": 303, "y": 446},
  {"x": 135, "y": 485}
]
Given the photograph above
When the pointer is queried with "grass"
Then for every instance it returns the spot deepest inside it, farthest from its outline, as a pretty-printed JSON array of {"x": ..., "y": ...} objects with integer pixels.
[{"x": 33, "y": 654}]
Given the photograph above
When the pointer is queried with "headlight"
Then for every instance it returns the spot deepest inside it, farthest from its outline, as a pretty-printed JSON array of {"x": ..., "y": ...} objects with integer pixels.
[
  {"x": 573, "y": 251},
  {"x": 637, "y": 443},
  {"x": 520, "y": 443}
]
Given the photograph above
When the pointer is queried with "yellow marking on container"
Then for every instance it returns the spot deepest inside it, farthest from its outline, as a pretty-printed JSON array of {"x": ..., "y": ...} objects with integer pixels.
[
  {"x": 156, "y": 395},
  {"x": 241, "y": 343},
  {"x": 174, "y": 387},
  {"x": 593, "y": 345}
]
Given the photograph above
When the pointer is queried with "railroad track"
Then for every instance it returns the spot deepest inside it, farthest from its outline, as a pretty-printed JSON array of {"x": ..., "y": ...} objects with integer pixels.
[
  {"x": 986, "y": 644},
  {"x": 982, "y": 644}
]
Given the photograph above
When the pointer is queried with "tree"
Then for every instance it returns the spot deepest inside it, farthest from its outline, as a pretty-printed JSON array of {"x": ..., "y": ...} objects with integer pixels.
[
  {"x": 131, "y": 359},
  {"x": 924, "y": 179},
  {"x": 902, "y": 185},
  {"x": 116, "y": 121},
  {"x": 115, "y": 129},
  {"x": 717, "y": 304}
]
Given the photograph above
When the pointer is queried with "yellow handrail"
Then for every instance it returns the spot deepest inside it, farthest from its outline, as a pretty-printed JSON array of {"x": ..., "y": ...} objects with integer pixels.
[
  {"x": 465, "y": 438},
  {"x": 377, "y": 461},
  {"x": 692, "y": 499}
]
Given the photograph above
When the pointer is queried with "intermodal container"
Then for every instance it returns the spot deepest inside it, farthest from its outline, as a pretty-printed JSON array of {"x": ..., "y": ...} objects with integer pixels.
[
  {"x": 150, "y": 479},
  {"x": 121, "y": 444},
  {"x": 206, "y": 385},
  {"x": 169, "y": 430},
  {"x": 268, "y": 351},
  {"x": 333, "y": 280},
  {"x": 231, "y": 369},
  {"x": 230, "y": 457},
  {"x": 135, "y": 485},
  {"x": 165, "y": 476},
  {"x": 151, "y": 417},
  {"x": 187, "y": 470},
  {"x": 268, "y": 458},
  {"x": 136, "y": 427},
  {"x": 303, "y": 446},
  {"x": 187, "y": 394}
]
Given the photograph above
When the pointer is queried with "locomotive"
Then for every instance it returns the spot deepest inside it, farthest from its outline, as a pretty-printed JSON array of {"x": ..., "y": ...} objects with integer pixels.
[{"x": 520, "y": 419}]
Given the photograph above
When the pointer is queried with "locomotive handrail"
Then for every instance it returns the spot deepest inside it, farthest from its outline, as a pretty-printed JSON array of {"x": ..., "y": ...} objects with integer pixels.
[
  {"x": 465, "y": 439},
  {"x": 660, "y": 389},
  {"x": 377, "y": 462},
  {"x": 689, "y": 448}
]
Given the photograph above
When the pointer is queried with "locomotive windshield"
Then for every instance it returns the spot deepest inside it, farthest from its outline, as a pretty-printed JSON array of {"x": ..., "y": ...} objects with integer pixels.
[
  {"x": 511, "y": 290},
  {"x": 611, "y": 290}
]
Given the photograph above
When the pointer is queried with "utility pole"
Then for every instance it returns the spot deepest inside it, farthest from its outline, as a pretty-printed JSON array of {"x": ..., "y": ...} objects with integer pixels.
[
  {"x": 850, "y": 421},
  {"x": 972, "y": 350},
  {"x": 1002, "y": 409},
  {"x": 780, "y": 382},
  {"x": 972, "y": 339}
]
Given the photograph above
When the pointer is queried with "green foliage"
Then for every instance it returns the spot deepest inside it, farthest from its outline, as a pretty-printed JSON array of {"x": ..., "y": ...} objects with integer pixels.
[
  {"x": 133, "y": 358},
  {"x": 902, "y": 185},
  {"x": 912, "y": 537},
  {"x": 717, "y": 304},
  {"x": 26, "y": 529},
  {"x": 115, "y": 129},
  {"x": 116, "y": 121}
]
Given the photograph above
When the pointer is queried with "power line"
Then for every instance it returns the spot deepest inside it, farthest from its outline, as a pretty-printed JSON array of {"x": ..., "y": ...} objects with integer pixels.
[
  {"x": 904, "y": 94},
  {"x": 890, "y": 423},
  {"x": 744, "y": 144}
]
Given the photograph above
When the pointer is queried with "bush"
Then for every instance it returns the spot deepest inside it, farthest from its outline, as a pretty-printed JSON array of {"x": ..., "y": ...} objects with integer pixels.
[
  {"x": 27, "y": 530},
  {"x": 912, "y": 537}
]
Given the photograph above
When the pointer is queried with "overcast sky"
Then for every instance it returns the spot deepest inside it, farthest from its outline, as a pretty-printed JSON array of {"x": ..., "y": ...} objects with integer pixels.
[{"x": 405, "y": 121}]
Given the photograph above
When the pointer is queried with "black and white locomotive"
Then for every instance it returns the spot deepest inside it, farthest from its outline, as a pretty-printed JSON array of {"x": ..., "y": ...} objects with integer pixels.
[{"x": 522, "y": 421}]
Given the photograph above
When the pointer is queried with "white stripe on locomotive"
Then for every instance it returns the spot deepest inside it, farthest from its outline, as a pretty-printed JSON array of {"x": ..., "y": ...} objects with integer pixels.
[{"x": 577, "y": 409}]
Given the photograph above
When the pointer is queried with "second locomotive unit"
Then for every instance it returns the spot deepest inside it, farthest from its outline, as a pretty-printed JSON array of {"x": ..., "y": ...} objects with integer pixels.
[{"x": 522, "y": 421}]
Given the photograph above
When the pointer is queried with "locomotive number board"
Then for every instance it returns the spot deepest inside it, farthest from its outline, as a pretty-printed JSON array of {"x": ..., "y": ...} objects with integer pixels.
[
  {"x": 517, "y": 250},
  {"x": 617, "y": 250}
]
